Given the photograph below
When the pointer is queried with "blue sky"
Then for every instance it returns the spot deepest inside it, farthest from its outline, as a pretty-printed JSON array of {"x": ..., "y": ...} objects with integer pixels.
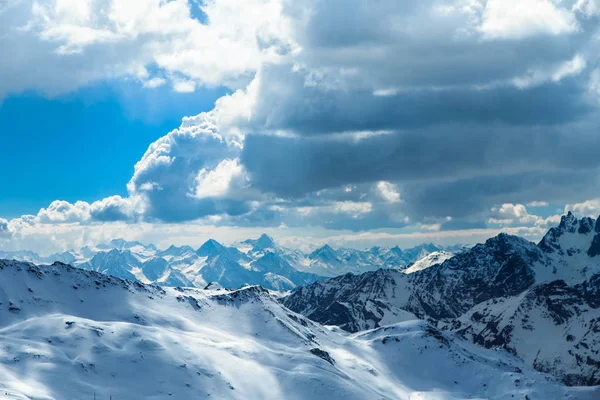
[
  {"x": 397, "y": 122},
  {"x": 83, "y": 145}
]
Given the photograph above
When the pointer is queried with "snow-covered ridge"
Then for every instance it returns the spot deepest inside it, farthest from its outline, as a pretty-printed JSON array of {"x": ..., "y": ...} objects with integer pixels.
[
  {"x": 504, "y": 293},
  {"x": 251, "y": 262},
  {"x": 70, "y": 333}
]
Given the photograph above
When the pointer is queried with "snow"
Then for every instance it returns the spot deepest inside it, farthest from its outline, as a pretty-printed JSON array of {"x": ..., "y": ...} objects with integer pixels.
[
  {"x": 72, "y": 333},
  {"x": 437, "y": 257},
  {"x": 184, "y": 266}
]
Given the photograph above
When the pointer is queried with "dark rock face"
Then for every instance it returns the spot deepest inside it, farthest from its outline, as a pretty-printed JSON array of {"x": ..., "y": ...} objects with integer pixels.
[
  {"x": 586, "y": 225},
  {"x": 341, "y": 303},
  {"x": 594, "y": 249},
  {"x": 500, "y": 267},
  {"x": 323, "y": 354}
]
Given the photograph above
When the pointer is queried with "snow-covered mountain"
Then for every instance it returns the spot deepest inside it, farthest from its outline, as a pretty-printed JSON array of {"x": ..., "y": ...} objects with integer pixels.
[
  {"x": 70, "y": 333},
  {"x": 251, "y": 262},
  {"x": 540, "y": 302}
]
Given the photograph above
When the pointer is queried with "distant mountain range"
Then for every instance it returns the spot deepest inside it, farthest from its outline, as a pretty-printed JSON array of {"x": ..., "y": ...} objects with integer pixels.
[
  {"x": 540, "y": 302},
  {"x": 250, "y": 262}
]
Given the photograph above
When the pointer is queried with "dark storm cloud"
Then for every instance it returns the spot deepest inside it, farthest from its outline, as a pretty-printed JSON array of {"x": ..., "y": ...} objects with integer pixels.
[
  {"x": 294, "y": 166},
  {"x": 470, "y": 197},
  {"x": 313, "y": 110}
]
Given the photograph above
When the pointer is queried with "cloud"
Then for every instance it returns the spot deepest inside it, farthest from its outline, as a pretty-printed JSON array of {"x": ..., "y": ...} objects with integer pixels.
[
  {"x": 4, "y": 228},
  {"x": 537, "y": 204},
  {"x": 80, "y": 42},
  {"x": 59, "y": 212},
  {"x": 511, "y": 214},
  {"x": 117, "y": 208},
  {"x": 502, "y": 19},
  {"x": 393, "y": 115},
  {"x": 388, "y": 192},
  {"x": 588, "y": 208}
]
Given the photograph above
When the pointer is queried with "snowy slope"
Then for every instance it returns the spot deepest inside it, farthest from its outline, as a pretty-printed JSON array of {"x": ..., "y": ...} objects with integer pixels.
[
  {"x": 437, "y": 257},
  {"x": 70, "y": 333}
]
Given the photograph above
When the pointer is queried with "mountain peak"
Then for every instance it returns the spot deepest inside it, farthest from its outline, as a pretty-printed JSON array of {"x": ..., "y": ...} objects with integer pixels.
[
  {"x": 325, "y": 253},
  {"x": 264, "y": 242},
  {"x": 177, "y": 250},
  {"x": 569, "y": 225},
  {"x": 568, "y": 222},
  {"x": 210, "y": 248}
]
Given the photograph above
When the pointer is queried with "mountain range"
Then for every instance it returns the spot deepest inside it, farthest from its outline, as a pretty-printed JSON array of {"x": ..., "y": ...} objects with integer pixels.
[
  {"x": 70, "y": 333},
  {"x": 539, "y": 302},
  {"x": 250, "y": 262}
]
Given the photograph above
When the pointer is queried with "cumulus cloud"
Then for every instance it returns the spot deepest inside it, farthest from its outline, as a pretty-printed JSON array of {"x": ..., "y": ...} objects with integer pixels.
[
  {"x": 502, "y": 19},
  {"x": 510, "y": 214},
  {"x": 440, "y": 115},
  {"x": 388, "y": 192},
  {"x": 79, "y": 42},
  {"x": 588, "y": 207}
]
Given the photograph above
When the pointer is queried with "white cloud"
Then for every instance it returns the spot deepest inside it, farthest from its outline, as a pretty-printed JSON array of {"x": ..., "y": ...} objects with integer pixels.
[
  {"x": 83, "y": 41},
  {"x": 588, "y": 7},
  {"x": 154, "y": 83},
  {"x": 354, "y": 209},
  {"x": 537, "y": 204},
  {"x": 519, "y": 19},
  {"x": 59, "y": 212},
  {"x": 510, "y": 214},
  {"x": 388, "y": 192},
  {"x": 219, "y": 182},
  {"x": 553, "y": 73},
  {"x": 588, "y": 208},
  {"x": 547, "y": 222},
  {"x": 385, "y": 92},
  {"x": 184, "y": 86},
  {"x": 117, "y": 208}
]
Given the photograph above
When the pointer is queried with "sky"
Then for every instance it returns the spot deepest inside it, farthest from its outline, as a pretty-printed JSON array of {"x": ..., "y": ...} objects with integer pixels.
[{"x": 349, "y": 122}]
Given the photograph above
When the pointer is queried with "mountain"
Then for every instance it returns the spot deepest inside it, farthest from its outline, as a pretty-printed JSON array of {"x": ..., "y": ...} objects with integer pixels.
[
  {"x": 554, "y": 327},
  {"x": 279, "y": 274},
  {"x": 121, "y": 263},
  {"x": 70, "y": 333},
  {"x": 539, "y": 302},
  {"x": 264, "y": 242},
  {"x": 176, "y": 252},
  {"x": 258, "y": 261},
  {"x": 210, "y": 248},
  {"x": 326, "y": 261}
]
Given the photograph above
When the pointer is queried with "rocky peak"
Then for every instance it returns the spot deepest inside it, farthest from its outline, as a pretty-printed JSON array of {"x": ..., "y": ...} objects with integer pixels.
[
  {"x": 568, "y": 223},
  {"x": 586, "y": 225},
  {"x": 264, "y": 242},
  {"x": 553, "y": 241},
  {"x": 594, "y": 249},
  {"x": 396, "y": 251},
  {"x": 210, "y": 248}
]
